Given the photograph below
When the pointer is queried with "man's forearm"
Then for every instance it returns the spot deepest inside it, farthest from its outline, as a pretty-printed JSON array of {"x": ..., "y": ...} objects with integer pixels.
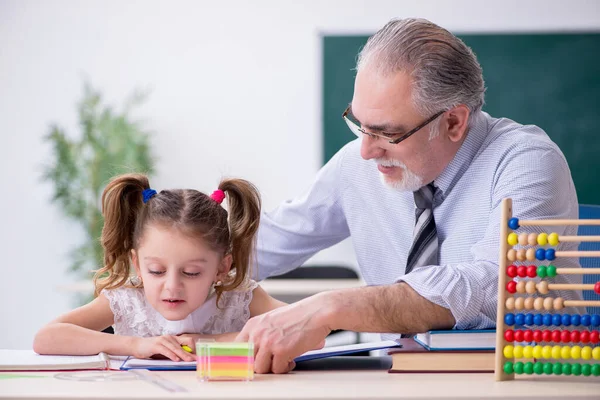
[{"x": 393, "y": 308}]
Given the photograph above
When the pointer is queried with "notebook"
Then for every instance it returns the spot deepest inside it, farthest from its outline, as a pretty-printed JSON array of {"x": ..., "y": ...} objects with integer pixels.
[
  {"x": 167, "y": 365},
  {"x": 414, "y": 358},
  {"x": 28, "y": 360},
  {"x": 475, "y": 339}
]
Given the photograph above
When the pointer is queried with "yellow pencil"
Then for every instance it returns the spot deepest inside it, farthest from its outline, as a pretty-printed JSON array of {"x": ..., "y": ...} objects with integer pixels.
[{"x": 186, "y": 348}]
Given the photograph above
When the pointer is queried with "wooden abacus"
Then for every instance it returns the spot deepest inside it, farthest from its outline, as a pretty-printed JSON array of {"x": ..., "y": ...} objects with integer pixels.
[{"x": 539, "y": 342}]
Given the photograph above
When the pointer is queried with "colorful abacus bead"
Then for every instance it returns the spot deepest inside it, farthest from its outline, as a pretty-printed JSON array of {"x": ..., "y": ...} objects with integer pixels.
[
  {"x": 513, "y": 223},
  {"x": 218, "y": 361},
  {"x": 553, "y": 239}
]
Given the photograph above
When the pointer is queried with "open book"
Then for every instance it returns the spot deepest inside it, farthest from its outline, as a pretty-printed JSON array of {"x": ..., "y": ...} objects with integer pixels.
[
  {"x": 28, "y": 360},
  {"x": 165, "y": 365}
]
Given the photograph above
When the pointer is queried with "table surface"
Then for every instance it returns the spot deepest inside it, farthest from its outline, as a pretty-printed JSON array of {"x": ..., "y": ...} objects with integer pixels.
[{"x": 335, "y": 378}]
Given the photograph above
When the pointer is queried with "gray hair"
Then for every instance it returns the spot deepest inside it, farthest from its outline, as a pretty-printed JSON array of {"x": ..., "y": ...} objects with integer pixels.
[{"x": 444, "y": 70}]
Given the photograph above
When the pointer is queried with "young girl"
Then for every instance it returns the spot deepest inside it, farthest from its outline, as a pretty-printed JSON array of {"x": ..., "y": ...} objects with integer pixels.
[{"x": 192, "y": 265}]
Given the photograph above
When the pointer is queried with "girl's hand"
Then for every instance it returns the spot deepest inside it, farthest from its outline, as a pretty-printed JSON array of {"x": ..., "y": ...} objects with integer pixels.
[{"x": 167, "y": 346}]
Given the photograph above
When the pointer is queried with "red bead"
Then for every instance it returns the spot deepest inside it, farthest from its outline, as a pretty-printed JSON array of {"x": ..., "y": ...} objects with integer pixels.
[
  {"x": 532, "y": 271},
  {"x": 528, "y": 336},
  {"x": 565, "y": 336},
  {"x": 575, "y": 336},
  {"x": 584, "y": 337},
  {"x": 511, "y": 271},
  {"x": 509, "y": 335},
  {"x": 518, "y": 335},
  {"x": 547, "y": 335},
  {"x": 556, "y": 336},
  {"x": 597, "y": 287},
  {"x": 511, "y": 286},
  {"x": 522, "y": 271},
  {"x": 594, "y": 337},
  {"x": 537, "y": 336}
]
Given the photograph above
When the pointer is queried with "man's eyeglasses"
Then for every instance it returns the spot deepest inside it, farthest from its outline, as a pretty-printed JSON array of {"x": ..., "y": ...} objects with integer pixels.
[{"x": 393, "y": 138}]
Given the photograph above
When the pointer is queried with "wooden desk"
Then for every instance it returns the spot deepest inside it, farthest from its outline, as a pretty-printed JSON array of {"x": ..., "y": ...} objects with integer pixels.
[{"x": 313, "y": 383}]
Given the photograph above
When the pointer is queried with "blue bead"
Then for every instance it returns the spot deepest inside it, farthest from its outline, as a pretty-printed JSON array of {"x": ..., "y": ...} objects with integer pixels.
[
  {"x": 556, "y": 319},
  {"x": 509, "y": 319},
  {"x": 528, "y": 319},
  {"x": 595, "y": 320},
  {"x": 538, "y": 319},
  {"x": 540, "y": 254},
  {"x": 513, "y": 223},
  {"x": 566, "y": 319},
  {"x": 548, "y": 319},
  {"x": 550, "y": 255},
  {"x": 575, "y": 319},
  {"x": 586, "y": 320},
  {"x": 519, "y": 319}
]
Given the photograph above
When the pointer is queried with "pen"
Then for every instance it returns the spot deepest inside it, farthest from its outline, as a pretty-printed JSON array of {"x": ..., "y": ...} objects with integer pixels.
[{"x": 186, "y": 348}]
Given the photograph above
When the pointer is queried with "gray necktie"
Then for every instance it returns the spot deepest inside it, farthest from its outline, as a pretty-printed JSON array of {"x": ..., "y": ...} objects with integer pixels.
[{"x": 424, "y": 250}]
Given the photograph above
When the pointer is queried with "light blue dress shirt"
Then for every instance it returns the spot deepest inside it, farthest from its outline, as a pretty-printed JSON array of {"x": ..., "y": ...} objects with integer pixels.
[{"x": 498, "y": 159}]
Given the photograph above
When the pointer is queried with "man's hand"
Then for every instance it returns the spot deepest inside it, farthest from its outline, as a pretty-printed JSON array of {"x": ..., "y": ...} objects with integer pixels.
[{"x": 283, "y": 334}]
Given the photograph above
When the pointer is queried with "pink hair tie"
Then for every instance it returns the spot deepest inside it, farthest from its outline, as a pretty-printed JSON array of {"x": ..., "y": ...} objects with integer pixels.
[{"x": 218, "y": 196}]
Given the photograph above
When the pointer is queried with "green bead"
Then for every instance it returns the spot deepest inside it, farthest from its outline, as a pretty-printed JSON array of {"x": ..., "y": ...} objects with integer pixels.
[
  {"x": 566, "y": 369},
  {"x": 508, "y": 368},
  {"x": 548, "y": 368},
  {"x": 538, "y": 368},
  {"x": 541, "y": 271},
  {"x": 557, "y": 369},
  {"x": 586, "y": 369},
  {"x": 528, "y": 368},
  {"x": 518, "y": 368},
  {"x": 551, "y": 271},
  {"x": 596, "y": 369},
  {"x": 576, "y": 369}
]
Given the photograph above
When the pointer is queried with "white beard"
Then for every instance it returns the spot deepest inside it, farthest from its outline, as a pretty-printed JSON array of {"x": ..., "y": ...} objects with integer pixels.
[{"x": 410, "y": 182}]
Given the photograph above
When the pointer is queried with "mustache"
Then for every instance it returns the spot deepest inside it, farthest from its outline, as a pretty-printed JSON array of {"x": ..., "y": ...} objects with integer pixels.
[{"x": 390, "y": 163}]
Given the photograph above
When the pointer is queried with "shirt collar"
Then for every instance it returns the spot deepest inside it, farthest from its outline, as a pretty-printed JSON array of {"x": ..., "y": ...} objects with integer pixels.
[{"x": 464, "y": 156}]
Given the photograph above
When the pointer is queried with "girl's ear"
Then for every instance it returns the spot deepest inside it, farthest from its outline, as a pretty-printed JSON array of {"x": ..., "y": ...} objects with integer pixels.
[
  {"x": 135, "y": 262},
  {"x": 224, "y": 267}
]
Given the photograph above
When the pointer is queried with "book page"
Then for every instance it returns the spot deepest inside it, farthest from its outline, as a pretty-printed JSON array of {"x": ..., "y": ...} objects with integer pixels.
[{"x": 29, "y": 360}]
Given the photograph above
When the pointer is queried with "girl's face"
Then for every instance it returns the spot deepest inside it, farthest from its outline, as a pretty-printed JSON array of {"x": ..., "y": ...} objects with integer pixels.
[{"x": 177, "y": 270}]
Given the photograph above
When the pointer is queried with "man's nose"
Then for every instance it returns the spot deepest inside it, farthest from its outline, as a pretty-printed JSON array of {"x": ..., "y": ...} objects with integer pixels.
[{"x": 370, "y": 148}]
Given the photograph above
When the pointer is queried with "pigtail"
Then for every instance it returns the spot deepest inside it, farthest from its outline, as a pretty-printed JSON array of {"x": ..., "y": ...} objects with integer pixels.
[
  {"x": 244, "y": 216},
  {"x": 121, "y": 203}
]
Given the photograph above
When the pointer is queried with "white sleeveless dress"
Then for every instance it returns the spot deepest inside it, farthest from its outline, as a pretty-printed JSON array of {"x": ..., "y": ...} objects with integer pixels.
[{"x": 134, "y": 316}]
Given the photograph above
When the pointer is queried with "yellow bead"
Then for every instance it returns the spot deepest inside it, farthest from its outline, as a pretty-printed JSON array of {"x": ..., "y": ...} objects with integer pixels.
[
  {"x": 542, "y": 239},
  {"x": 547, "y": 351},
  {"x": 586, "y": 353},
  {"x": 537, "y": 352},
  {"x": 508, "y": 351},
  {"x": 553, "y": 239},
  {"x": 513, "y": 239},
  {"x": 556, "y": 352},
  {"x": 575, "y": 352},
  {"x": 565, "y": 352},
  {"x": 596, "y": 353},
  {"x": 518, "y": 352},
  {"x": 528, "y": 352}
]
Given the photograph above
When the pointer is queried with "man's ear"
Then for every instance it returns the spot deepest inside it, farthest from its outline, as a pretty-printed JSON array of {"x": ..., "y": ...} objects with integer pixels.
[
  {"x": 224, "y": 267},
  {"x": 457, "y": 121},
  {"x": 136, "y": 262}
]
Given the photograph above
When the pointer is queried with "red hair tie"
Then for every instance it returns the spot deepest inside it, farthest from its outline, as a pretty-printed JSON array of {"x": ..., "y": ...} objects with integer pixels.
[{"x": 218, "y": 196}]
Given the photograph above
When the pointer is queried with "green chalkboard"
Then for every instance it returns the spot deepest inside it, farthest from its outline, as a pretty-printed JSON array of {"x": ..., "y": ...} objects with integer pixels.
[{"x": 549, "y": 80}]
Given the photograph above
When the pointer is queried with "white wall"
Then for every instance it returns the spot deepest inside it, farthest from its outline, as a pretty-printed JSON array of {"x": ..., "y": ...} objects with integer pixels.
[{"x": 235, "y": 90}]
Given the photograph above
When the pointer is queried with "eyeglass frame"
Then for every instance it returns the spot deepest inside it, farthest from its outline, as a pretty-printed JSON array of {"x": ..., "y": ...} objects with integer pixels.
[{"x": 405, "y": 136}]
